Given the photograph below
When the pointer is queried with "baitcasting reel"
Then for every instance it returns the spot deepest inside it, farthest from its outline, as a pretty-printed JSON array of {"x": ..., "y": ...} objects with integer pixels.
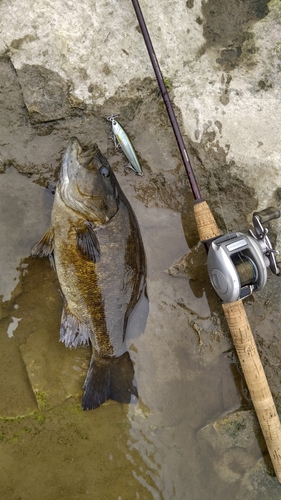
[{"x": 237, "y": 263}]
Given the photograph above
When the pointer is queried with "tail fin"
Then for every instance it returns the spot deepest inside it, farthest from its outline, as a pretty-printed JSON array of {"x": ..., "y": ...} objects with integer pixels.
[{"x": 109, "y": 378}]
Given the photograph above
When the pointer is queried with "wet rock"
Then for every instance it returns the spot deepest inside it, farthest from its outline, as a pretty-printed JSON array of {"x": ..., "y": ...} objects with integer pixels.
[
  {"x": 220, "y": 29},
  {"x": 3, "y": 47},
  {"x": 191, "y": 265},
  {"x": 238, "y": 443},
  {"x": 17, "y": 397},
  {"x": 13, "y": 112},
  {"x": 55, "y": 373},
  {"x": 46, "y": 95},
  {"x": 239, "y": 457},
  {"x": 257, "y": 483},
  {"x": 229, "y": 73},
  {"x": 17, "y": 194}
]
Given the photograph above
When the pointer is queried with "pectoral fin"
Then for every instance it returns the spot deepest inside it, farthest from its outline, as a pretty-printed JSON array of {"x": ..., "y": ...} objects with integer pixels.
[
  {"x": 87, "y": 242},
  {"x": 45, "y": 246}
]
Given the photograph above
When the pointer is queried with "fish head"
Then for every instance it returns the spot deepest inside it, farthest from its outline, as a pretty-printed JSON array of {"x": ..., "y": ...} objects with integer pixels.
[{"x": 85, "y": 187}]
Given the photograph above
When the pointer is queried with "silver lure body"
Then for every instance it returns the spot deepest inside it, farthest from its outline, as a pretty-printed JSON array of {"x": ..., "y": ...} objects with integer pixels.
[{"x": 123, "y": 140}]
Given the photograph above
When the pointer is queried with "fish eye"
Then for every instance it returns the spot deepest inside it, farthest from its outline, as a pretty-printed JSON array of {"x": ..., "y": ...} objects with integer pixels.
[{"x": 104, "y": 172}]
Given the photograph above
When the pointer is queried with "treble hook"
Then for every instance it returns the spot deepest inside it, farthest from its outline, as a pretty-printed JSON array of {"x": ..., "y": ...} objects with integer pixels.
[{"x": 111, "y": 118}]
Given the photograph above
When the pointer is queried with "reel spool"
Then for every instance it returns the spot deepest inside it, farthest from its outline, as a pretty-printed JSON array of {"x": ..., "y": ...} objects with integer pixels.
[
  {"x": 247, "y": 271},
  {"x": 237, "y": 263}
]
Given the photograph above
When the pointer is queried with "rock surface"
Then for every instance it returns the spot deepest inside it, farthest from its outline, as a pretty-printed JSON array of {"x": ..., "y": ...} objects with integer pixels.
[
  {"x": 237, "y": 442},
  {"x": 222, "y": 60},
  {"x": 64, "y": 67}
]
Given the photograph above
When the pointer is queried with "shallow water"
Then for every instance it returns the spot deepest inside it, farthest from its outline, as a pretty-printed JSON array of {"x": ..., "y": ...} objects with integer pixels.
[{"x": 184, "y": 366}]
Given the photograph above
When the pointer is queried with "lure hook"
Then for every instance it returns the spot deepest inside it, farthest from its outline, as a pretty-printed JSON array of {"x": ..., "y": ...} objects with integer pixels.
[{"x": 111, "y": 118}]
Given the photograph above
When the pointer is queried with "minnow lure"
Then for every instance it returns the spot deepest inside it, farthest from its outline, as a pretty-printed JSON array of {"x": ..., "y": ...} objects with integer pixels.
[{"x": 120, "y": 138}]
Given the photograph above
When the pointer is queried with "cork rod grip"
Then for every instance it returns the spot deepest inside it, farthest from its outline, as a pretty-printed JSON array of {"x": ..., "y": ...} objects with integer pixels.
[
  {"x": 256, "y": 380},
  {"x": 205, "y": 222}
]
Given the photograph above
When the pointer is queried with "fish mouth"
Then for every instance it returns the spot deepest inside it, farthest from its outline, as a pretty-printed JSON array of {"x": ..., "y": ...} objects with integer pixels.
[
  {"x": 73, "y": 149},
  {"x": 86, "y": 157},
  {"x": 75, "y": 157}
]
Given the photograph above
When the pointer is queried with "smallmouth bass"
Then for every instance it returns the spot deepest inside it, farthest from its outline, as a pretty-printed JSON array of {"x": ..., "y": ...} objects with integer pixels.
[{"x": 95, "y": 246}]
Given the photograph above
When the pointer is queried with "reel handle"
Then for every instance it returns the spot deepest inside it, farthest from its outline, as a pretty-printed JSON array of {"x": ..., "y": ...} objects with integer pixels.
[
  {"x": 256, "y": 380},
  {"x": 267, "y": 214}
]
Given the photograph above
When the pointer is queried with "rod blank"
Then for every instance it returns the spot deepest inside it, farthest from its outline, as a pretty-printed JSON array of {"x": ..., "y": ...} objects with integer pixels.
[{"x": 167, "y": 101}]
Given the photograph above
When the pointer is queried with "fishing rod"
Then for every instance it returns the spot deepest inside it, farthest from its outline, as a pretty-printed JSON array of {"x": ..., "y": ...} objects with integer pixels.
[{"x": 237, "y": 266}]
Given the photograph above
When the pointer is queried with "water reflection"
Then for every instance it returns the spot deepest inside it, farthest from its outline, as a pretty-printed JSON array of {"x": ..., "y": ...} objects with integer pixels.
[
  {"x": 24, "y": 213},
  {"x": 13, "y": 326}
]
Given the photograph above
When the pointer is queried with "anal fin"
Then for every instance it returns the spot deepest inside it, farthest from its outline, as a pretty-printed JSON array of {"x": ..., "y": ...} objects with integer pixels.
[{"x": 73, "y": 333}]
